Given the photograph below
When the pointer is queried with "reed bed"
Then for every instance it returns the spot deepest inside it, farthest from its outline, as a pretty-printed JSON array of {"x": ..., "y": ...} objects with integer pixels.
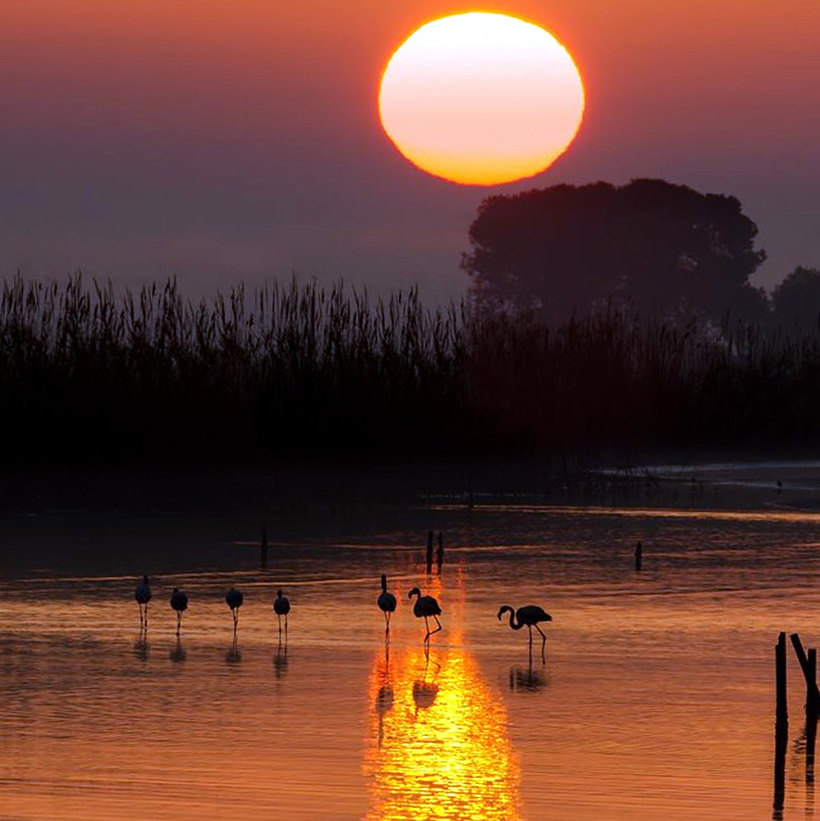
[{"x": 300, "y": 371}]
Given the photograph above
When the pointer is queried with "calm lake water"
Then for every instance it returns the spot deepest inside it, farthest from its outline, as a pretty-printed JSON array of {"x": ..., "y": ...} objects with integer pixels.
[{"x": 656, "y": 701}]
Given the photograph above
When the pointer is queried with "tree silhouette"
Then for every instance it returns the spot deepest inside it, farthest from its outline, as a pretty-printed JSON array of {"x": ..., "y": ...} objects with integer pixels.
[
  {"x": 663, "y": 247},
  {"x": 796, "y": 300}
]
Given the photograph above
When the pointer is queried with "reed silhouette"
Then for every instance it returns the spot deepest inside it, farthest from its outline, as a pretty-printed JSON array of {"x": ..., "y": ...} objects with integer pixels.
[{"x": 91, "y": 377}]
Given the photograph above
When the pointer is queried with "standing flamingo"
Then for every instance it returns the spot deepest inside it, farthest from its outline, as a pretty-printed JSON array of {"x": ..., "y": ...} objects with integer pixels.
[
  {"x": 387, "y": 603},
  {"x": 425, "y": 607},
  {"x": 528, "y": 615},
  {"x": 234, "y": 598},
  {"x": 179, "y": 602},
  {"x": 143, "y": 595},
  {"x": 281, "y": 607}
]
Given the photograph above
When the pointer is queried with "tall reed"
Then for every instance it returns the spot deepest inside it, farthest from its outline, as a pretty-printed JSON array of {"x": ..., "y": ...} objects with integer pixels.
[{"x": 302, "y": 371}]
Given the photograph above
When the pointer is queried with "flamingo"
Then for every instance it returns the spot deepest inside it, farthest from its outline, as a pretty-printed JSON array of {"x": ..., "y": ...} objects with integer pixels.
[
  {"x": 143, "y": 595},
  {"x": 179, "y": 602},
  {"x": 281, "y": 607},
  {"x": 234, "y": 598},
  {"x": 387, "y": 603},
  {"x": 528, "y": 615},
  {"x": 425, "y": 607}
]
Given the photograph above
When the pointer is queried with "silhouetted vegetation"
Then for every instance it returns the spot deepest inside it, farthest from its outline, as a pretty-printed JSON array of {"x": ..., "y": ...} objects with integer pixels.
[
  {"x": 302, "y": 372},
  {"x": 796, "y": 300},
  {"x": 659, "y": 247},
  {"x": 290, "y": 371}
]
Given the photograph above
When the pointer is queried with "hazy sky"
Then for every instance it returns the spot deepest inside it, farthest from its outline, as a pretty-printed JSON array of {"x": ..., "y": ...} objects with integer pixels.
[{"x": 222, "y": 140}]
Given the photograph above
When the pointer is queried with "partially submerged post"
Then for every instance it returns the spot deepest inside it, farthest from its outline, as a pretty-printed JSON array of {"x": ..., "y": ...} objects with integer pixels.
[
  {"x": 263, "y": 547},
  {"x": 812, "y": 711},
  {"x": 781, "y": 728},
  {"x": 809, "y": 674}
]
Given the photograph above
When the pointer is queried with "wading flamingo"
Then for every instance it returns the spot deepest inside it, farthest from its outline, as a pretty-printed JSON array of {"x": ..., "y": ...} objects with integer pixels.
[
  {"x": 281, "y": 607},
  {"x": 425, "y": 607},
  {"x": 528, "y": 616},
  {"x": 234, "y": 598},
  {"x": 387, "y": 603},
  {"x": 143, "y": 595},
  {"x": 179, "y": 602}
]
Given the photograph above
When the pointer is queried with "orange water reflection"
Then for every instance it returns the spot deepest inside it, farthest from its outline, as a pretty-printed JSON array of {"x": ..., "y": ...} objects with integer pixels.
[{"x": 437, "y": 743}]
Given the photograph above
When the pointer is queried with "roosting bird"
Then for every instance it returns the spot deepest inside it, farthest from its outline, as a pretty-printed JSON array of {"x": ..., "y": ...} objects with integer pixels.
[
  {"x": 426, "y": 607},
  {"x": 387, "y": 603},
  {"x": 143, "y": 595},
  {"x": 234, "y": 598},
  {"x": 529, "y": 615},
  {"x": 281, "y": 607},
  {"x": 179, "y": 603}
]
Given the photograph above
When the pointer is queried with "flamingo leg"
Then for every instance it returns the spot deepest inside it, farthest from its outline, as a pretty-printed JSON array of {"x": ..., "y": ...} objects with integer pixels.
[
  {"x": 529, "y": 627},
  {"x": 286, "y": 625},
  {"x": 427, "y": 628},
  {"x": 543, "y": 644},
  {"x": 146, "y": 615},
  {"x": 179, "y": 622},
  {"x": 438, "y": 627},
  {"x": 279, "y": 620}
]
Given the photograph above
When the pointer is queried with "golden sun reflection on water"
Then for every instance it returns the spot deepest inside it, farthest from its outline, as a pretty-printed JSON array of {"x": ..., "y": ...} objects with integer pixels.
[{"x": 437, "y": 743}]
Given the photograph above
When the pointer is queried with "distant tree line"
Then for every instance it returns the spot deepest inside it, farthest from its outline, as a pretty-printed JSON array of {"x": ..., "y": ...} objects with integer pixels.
[
  {"x": 300, "y": 372},
  {"x": 658, "y": 248}
]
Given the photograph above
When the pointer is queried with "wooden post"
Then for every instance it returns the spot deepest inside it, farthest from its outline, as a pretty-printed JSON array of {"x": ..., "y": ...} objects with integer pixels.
[
  {"x": 782, "y": 713},
  {"x": 781, "y": 728},
  {"x": 812, "y": 693},
  {"x": 263, "y": 547}
]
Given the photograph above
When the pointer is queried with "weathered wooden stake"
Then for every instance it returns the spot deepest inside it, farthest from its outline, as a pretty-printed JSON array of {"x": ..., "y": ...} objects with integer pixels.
[
  {"x": 781, "y": 728},
  {"x": 263, "y": 548},
  {"x": 809, "y": 674},
  {"x": 782, "y": 714}
]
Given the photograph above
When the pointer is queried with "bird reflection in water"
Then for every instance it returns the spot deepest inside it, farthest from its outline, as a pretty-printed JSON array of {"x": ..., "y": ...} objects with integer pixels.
[
  {"x": 178, "y": 653},
  {"x": 280, "y": 660},
  {"x": 424, "y": 691},
  {"x": 141, "y": 647},
  {"x": 527, "y": 680},
  {"x": 438, "y": 741},
  {"x": 385, "y": 697},
  {"x": 234, "y": 654}
]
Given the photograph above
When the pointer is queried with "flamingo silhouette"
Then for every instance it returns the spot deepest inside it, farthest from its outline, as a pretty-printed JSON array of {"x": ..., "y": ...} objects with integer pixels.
[
  {"x": 529, "y": 615},
  {"x": 179, "y": 603},
  {"x": 281, "y": 607},
  {"x": 425, "y": 607},
  {"x": 234, "y": 598},
  {"x": 143, "y": 595},
  {"x": 387, "y": 603}
]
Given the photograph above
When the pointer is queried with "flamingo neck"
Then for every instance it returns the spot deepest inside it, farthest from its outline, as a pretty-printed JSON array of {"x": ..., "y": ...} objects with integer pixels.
[{"x": 512, "y": 621}]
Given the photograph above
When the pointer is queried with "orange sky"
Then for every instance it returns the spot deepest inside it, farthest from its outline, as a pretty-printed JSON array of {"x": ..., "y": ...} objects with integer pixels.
[{"x": 218, "y": 139}]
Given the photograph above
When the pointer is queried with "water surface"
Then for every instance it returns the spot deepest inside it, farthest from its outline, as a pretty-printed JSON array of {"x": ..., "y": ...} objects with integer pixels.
[{"x": 656, "y": 701}]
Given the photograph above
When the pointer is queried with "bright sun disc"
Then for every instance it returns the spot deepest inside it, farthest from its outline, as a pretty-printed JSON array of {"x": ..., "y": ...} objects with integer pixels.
[{"x": 481, "y": 98}]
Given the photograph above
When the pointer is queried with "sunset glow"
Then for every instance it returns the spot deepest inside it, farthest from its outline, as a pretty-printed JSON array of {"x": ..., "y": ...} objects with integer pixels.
[{"x": 481, "y": 98}]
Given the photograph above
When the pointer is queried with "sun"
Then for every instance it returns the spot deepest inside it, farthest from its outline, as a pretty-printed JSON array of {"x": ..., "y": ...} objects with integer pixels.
[{"x": 481, "y": 98}]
